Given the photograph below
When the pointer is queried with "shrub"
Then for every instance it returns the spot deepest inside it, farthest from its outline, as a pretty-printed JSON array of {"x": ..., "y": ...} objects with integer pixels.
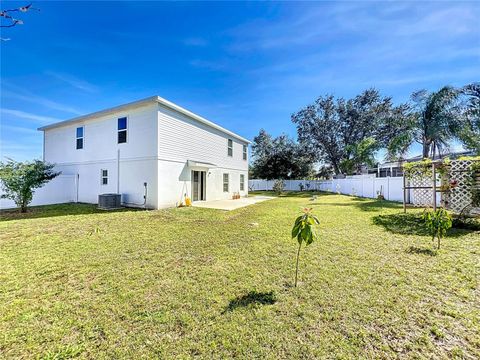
[
  {"x": 437, "y": 223},
  {"x": 20, "y": 179}
]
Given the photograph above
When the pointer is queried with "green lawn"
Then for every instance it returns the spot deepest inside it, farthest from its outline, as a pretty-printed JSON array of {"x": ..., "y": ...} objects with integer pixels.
[{"x": 191, "y": 282}]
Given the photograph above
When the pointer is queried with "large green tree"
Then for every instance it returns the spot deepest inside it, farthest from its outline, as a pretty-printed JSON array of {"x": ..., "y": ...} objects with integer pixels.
[
  {"x": 20, "y": 179},
  {"x": 469, "y": 133},
  {"x": 435, "y": 119},
  {"x": 346, "y": 133},
  {"x": 279, "y": 158}
]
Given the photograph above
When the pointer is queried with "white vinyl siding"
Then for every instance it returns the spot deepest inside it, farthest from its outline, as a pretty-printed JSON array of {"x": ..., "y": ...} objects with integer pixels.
[{"x": 181, "y": 138}]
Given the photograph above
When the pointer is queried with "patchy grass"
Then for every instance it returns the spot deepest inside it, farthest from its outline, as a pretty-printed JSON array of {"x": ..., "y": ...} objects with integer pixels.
[{"x": 191, "y": 282}]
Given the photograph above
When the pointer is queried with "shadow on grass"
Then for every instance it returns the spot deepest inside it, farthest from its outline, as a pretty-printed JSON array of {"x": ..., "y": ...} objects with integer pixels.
[
  {"x": 253, "y": 298},
  {"x": 422, "y": 251},
  {"x": 295, "y": 194},
  {"x": 46, "y": 211},
  {"x": 411, "y": 224}
]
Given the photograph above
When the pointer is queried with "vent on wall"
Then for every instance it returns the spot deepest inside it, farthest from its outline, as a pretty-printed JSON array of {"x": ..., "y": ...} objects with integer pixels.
[{"x": 109, "y": 201}]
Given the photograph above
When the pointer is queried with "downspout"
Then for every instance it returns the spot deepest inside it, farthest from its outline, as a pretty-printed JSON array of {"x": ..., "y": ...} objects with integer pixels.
[{"x": 118, "y": 171}]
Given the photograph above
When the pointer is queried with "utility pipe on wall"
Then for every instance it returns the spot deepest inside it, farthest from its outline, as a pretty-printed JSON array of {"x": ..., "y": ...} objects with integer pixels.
[{"x": 118, "y": 171}]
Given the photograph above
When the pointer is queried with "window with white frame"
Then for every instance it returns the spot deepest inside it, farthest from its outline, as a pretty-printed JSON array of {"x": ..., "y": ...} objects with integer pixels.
[
  {"x": 122, "y": 130},
  {"x": 104, "y": 176},
  {"x": 244, "y": 152},
  {"x": 242, "y": 182},
  {"x": 225, "y": 182},
  {"x": 79, "y": 137},
  {"x": 230, "y": 147}
]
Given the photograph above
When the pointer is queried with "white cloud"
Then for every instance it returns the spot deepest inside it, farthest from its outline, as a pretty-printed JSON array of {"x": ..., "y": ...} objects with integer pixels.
[
  {"x": 73, "y": 81},
  {"x": 29, "y": 116},
  {"x": 47, "y": 103}
]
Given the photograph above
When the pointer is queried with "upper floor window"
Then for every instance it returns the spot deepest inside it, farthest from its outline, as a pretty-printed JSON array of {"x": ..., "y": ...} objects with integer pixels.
[
  {"x": 244, "y": 152},
  {"x": 230, "y": 147},
  {"x": 242, "y": 182},
  {"x": 104, "y": 177},
  {"x": 79, "y": 137},
  {"x": 225, "y": 182},
  {"x": 122, "y": 130}
]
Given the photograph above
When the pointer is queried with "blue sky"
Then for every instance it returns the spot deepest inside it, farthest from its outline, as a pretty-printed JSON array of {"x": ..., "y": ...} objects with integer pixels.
[{"x": 244, "y": 66}]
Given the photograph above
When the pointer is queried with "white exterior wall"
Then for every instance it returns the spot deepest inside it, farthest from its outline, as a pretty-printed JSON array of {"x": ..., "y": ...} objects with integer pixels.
[
  {"x": 138, "y": 160},
  {"x": 180, "y": 139},
  {"x": 59, "y": 190},
  {"x": 160, "y": 142}
]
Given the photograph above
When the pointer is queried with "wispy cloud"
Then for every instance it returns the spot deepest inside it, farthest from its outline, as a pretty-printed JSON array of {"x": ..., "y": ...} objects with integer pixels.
[
  {"x": 24, "y": 95},
  {"x": 18, "y": 129},
  {"x": 73, "y": 81},
  {"x": 29, "y": 116}
]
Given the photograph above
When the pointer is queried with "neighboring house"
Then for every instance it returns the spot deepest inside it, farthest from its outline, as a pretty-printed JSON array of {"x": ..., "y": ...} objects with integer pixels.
[
  {"x": 148, "y": 147},
  {"x": 394, "y": 168}
]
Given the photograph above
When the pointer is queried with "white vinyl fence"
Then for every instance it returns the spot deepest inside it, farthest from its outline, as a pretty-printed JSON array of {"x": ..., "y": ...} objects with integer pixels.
[
  {"x": 367, "y": 186},
  {"x": 62, "y": 189}
]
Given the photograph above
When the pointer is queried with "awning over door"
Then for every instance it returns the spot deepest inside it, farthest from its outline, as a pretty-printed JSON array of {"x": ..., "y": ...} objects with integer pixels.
[{"x": 200, "y": 164}]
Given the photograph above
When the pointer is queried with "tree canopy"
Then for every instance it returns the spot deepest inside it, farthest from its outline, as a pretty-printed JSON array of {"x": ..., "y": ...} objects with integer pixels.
[
  {"x": 347, "y": 133},
  {"x": 20, "y": 179},
  {"x": 279, "y": 158}
]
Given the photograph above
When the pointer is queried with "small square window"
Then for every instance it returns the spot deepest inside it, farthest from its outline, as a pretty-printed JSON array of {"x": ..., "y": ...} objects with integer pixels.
[
  {"x": 122, "y": 123},
  {"x": 230, "y": 147},
  {"x": 79, "y": 138},
  {"x": 225, "y": 182},
  {"x": 122, "y": 136},
  {"x": 122, "y": 130},
  {"x": 104, "y": 177}
]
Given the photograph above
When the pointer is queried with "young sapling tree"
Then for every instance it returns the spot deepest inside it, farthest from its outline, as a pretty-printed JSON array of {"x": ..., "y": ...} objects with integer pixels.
[
  {"x": 303, "y": 230},
  {"x": 437, "y": 223}
]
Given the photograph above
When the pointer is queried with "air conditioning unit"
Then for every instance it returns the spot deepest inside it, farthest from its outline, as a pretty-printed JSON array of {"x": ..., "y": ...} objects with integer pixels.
[{"x": 109, "y": 201}]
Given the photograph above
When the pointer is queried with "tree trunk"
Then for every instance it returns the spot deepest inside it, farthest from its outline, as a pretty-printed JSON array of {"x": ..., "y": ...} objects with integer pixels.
[
  {"x": 426, "y": 150},
  {"x": 296, "y": 269}
]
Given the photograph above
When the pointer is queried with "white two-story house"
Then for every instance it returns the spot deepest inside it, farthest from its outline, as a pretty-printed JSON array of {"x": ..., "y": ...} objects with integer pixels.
[{"x": 150, "y": 149}]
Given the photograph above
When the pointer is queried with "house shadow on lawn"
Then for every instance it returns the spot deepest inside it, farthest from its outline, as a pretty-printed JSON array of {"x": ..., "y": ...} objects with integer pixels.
[
  {"x": 251, "y": 299},
  {"x": 410, "y": 224},
  {"x": 46, "y": 211}
]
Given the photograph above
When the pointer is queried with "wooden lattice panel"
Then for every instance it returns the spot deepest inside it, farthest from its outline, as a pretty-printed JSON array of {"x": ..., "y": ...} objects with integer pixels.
[
  {"x": 459, "y": 197},
  {"x": 421, "y": 197}
]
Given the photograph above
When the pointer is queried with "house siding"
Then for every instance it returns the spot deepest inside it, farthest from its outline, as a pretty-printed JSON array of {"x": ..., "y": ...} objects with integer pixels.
[
  {"x": 137, "y": 157},
  {"x": 160, "y": 142},
  {"x": 180, "y": 139}
]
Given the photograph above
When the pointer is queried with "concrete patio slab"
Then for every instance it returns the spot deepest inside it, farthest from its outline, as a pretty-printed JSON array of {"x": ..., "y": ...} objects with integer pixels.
[{"x": 231, "y": 204}]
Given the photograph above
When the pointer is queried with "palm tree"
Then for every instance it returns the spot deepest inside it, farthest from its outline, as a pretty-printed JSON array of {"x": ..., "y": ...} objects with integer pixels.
[{"x": 433, "y": 122}]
